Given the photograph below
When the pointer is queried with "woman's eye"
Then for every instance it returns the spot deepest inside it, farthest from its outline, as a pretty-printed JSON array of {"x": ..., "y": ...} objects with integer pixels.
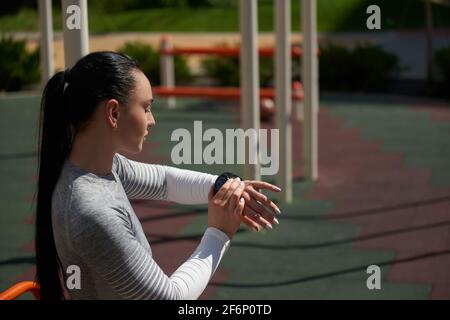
[{"x": 148, "y": 109}]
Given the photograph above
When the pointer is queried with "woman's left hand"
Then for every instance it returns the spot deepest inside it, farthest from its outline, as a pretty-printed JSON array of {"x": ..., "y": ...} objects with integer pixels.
[{"x": 256, "y": 212}]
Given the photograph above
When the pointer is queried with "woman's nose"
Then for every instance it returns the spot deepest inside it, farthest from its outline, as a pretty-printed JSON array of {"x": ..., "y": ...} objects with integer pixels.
[{"x": 150, "y": 121}]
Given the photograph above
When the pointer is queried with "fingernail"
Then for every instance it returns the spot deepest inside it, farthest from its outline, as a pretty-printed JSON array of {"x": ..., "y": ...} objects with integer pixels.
[
  {"x": 278, "y": 189},
  {"x": 238, "y": 179},
  {"x": 242, "y": 184},
  {"x": 275, "y": 220},
  {"x": 269, "y": 226},
  {"x": 256, "y": 229},
  {"x": 278, "y": 210},
  {"x": 241, "y": 200}
]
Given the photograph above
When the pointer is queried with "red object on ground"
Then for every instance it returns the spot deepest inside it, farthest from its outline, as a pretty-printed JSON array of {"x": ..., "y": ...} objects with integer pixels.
[{"x": 267, "y": 109}]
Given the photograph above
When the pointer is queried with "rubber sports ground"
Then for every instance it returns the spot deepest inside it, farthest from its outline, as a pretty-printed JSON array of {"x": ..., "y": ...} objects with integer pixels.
[{"x": 382, "y": 197}]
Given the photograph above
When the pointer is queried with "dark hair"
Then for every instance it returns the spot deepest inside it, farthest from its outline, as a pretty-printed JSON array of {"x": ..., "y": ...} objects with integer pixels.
[{"x": 69, "y": 100}]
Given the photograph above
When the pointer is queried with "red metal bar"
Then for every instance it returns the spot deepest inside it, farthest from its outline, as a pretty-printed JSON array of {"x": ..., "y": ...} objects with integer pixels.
[
  {"x": 20, "y": 288},
  {"x": 224, "y": 51},
  {"x": 222, "y": 93}
]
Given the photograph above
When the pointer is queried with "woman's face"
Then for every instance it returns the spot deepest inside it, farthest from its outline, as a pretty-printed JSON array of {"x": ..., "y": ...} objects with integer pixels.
[{"x": 136, "y": 118}]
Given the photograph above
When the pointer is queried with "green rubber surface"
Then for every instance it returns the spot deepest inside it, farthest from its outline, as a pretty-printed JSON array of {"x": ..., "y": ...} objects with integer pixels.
[{"x": 308, "y": 256}]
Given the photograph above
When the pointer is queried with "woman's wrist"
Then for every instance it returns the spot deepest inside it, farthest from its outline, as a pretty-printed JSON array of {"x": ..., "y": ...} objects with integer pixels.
[
  {"x": 221, "y": 179},
  {"x": 218, "y": 233},
  {"x": 222, "y": 230}
]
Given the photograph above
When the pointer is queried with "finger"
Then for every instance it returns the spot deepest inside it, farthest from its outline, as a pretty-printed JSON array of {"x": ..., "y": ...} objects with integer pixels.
[
  {"x": 238, "y": 192},
  {"x": 263, "y": 185},
  {"x": 261, "y": 210},
  {"x": 256, "y": 217},
  {"x": 239, "y": 207},
  {"x": 231, "y": 189},
  {"x": 250, "y": 223},
  {"x": 258, "y": 196},
  {"x": 223, "y": 190},
  {"x": 236, "y": 196}
]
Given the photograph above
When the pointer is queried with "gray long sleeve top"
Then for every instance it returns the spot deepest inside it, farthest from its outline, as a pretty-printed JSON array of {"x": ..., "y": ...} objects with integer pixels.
[{"x": 96, "y": 229}]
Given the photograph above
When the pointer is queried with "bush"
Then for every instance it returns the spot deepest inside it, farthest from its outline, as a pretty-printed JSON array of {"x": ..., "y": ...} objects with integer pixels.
[
  {"x": 12, "y": 7},
  {"x": 18, "y": 67},
  {"x": 442, "y": 59},
  {"x": 224, "y": 71},
  {"x": 333, "y": 68},
  {"x": 365, "y": 68},
  {"x": 149, "y": 61}
]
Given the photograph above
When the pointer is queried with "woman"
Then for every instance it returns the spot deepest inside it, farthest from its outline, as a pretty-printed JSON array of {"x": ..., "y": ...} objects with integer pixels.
[{"x": 91, "y": 113}]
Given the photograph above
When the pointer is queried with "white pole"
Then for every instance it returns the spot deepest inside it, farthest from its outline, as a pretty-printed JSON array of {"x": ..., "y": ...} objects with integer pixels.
[
  {"x": 429, "y": 37},
  {"x": 311, "y": 87},
  {"x": 167, "y": 69},
  {"x": 75, "y": 30},
  {"x": 46, "y": 33},
  {"x": 249, "y": 78},
  {"x": 283, "y": 96}
]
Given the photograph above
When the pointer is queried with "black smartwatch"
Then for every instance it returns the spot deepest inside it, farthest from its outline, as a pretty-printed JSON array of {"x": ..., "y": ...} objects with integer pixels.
[{"x": 220, "y": 181}]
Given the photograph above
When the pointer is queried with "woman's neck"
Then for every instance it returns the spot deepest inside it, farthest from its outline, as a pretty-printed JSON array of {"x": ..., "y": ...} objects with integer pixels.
[{"x": 92, "y": 153}]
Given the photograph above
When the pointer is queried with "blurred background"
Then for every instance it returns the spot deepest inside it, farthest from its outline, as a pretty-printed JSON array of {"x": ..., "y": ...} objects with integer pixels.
[{"x": 383, "y": 192}]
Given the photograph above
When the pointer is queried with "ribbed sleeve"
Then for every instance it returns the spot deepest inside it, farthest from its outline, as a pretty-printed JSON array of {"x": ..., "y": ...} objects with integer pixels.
[{"x": 158, "y": 182}]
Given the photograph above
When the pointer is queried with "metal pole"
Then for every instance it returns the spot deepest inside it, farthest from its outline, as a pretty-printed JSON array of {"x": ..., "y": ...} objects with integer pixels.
[
  {"x": 249, "y": 77},
  {"x": 75, "y": 30},
  {"x": 311, "y": 87},
  {"x": 283, "y": 96},
  {"x": 46, "y": 33},
  {"x": 429, "y": 37},
  {"x": 167, "y": 69}
]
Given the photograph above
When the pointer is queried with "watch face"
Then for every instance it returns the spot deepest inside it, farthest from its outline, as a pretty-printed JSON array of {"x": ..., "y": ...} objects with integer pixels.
[{"x": 220, "y": 181}]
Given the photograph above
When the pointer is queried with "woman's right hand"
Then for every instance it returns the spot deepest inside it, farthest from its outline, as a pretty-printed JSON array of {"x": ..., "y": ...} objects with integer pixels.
[{"x": 225, "y": 208}]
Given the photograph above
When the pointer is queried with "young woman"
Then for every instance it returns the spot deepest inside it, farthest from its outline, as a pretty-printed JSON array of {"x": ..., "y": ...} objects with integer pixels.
[{"x": 91, "y": 113}]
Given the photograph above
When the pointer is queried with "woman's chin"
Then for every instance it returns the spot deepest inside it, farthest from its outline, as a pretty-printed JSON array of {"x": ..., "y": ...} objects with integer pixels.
[
  {"x": 135, "y": 150},
  {"x": 139, "y": 148},
  {"x": 141, "y": 145}
]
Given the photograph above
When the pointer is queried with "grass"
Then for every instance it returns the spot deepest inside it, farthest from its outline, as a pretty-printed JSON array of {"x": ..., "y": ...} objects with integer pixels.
[{"x": 342, "y": 15}]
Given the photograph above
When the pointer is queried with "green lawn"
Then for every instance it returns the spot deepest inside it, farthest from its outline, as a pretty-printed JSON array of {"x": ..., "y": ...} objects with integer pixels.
[{"x": 342, "y": 15}]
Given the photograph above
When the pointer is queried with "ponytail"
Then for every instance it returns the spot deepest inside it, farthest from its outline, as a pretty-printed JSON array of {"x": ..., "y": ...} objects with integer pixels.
[{"x": 55, "y": 140}]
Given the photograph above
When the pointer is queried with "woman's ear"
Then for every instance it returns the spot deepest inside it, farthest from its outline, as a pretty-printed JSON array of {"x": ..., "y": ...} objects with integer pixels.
[{"x": 112, "y": 112}]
